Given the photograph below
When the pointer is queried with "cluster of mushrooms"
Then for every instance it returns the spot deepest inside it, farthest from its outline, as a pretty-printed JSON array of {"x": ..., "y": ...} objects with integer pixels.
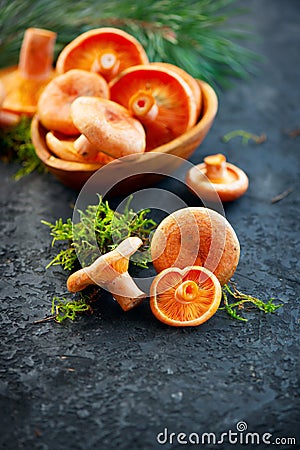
[
  {"x": 105, "y": 100},
  {"x": 194, "y": 251}
]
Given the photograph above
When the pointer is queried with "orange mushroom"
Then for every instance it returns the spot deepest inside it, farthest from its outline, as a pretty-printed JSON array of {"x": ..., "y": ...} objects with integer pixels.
[
  {"x": 187, "y": 297},
  {"x": 221, "y": 177},
  {"x": 160, "y": 98},
  {"x": 54, "y": 105},
  {"x": 106, "y": 51},
  {"x": 108, "y": 126},
  {"x": 196, "y": 236},
  {"x": 24, "y": 84},
  {"x": 7, "y": 118},
  {"x": 64, "y": 147},
  {"x": 110, "y": 271},
  {"x": 190, "y": 80}
]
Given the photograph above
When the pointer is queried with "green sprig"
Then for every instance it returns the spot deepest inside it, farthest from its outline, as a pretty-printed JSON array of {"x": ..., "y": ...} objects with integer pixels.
[
  {"x": 16, "y": 145},
  {"x": 63, "y": 309},
  {"x": 245, "y": 135},
  {"x": 108, "y": 226},
  {"x": 242, "y": 299}
]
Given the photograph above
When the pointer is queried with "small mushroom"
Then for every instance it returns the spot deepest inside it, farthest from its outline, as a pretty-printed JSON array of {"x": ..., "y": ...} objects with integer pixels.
[
  {"x": 221, "y": 177},
  {"x": 108, "y": 126},
  {"x": 110, "y": 271},
  {"x": 25, "y": 83}
]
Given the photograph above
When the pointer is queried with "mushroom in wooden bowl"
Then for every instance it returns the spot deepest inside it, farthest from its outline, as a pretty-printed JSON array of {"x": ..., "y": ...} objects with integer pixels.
[{"x": 74, "y": 174}]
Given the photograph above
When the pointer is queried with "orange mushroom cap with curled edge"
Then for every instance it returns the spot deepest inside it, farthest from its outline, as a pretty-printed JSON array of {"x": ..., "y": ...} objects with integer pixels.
[
  {"x": 185, "y": 297},
  {"x": 216, "y": 175},
  {"x": 105, "y": 50},
  {"x": 110, "y": 271}
]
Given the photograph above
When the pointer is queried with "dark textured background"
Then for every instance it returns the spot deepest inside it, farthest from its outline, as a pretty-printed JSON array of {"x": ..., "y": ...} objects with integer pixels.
[{"x": 114, "y": 380}]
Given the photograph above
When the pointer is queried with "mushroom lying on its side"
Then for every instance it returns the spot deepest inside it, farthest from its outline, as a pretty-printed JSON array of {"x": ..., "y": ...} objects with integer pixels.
[{"x": 110, "y": 271}]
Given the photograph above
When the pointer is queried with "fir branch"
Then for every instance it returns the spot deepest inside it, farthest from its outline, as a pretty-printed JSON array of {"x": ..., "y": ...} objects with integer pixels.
[
  {"x": 194, "y": 35},
  {"x": 16, "y": 145},
  {"x": 243, "y": 299}
]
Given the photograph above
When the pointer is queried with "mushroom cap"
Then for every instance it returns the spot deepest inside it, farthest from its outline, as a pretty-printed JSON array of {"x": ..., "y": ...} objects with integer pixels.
[
  {"x": 108, "y": 126},
  {"x": 234, "y": 184},
  {"x": 196, "y": 236},
  {"x": 86, "y": 48},
  {"x": 185, "y": 297},
  {"x": 2, "y": 93},
  {"x": 177, "y": 106},
  {"x": 190, "y": 80},
  {"x": 22, "y": 94},
  {"x": 54, "y": 105}
]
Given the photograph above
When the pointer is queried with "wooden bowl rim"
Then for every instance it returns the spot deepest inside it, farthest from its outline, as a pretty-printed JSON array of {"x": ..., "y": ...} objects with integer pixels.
[{"x": 38, "y": 132}]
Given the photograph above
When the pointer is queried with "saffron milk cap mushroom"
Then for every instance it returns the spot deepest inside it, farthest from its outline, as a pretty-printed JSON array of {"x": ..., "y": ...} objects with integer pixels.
[
  {"x": 196, "y": 236},
  {"x": 24, "y": 83},
  {"x": 108, "y": 126},
  {"x": 106, "y": 51},
  {"x": 227, "y": 180},
  {"x": 185, "y": 297},
  {"x": 110, "y": 271},
  {"x": 7, "y": 118}
]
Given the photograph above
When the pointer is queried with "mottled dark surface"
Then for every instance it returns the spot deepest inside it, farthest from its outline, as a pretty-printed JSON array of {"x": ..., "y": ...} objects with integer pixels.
[{"x": 114, "y": 380}]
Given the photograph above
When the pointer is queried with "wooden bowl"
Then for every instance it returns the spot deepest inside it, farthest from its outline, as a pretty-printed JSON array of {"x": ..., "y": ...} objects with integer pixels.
[{"x": 75, "y": 174}]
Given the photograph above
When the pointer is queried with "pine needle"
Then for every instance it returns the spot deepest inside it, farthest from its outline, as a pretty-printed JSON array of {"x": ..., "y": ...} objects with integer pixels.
[{"x": 195, "y": 35}]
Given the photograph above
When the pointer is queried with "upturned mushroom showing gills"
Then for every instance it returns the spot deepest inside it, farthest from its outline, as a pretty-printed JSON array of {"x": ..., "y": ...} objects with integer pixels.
[
  {"x": 187, "y": 297},
  {"x": 160, "y": 98},
  {"x": 221, "y": 177},
  {"x": 196, "y": 236},
  {"x": 24, "y": 84},
  {"x": 54, "y": 105},
  {"x": 110, "y": 271},
  {"x": 106, "y": 51},
  {"x": 108, "y": 126}
]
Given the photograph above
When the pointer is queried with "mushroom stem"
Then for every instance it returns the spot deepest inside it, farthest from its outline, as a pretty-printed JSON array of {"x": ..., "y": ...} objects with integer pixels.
[
  {"x": 215, "y": 167},
  {"x": 186, "y": 291},
  {"x": 85, "y": 148},
  {"x": 36, "y": 54},
  {"x": 143, "y": 105},
  {"x": 106, "y": 64},
  {"x": 110, "y": 271},
  {"x": 8, "y": 119}
]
